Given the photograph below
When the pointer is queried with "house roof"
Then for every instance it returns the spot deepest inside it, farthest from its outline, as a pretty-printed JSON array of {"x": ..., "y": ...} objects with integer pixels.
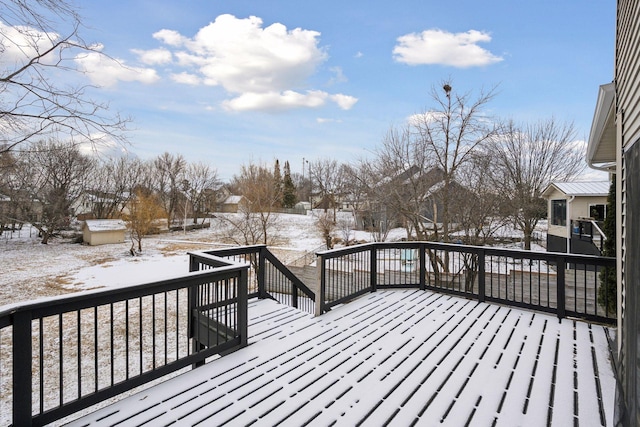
[
  {"x": 584, "y": 189},
  {"x": 97, "y": 225},
  {"x": 601, "y": 148},
  {"x": 233, "y": 200}
]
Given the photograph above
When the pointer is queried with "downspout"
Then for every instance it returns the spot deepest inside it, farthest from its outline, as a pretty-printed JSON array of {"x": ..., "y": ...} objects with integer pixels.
[{"x": 569, "y": 231}]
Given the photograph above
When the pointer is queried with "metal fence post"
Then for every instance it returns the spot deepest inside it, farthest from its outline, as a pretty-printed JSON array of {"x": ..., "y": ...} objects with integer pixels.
[
  {"x": 22, "y": 357},
  {"x": 560, "y": 285}
]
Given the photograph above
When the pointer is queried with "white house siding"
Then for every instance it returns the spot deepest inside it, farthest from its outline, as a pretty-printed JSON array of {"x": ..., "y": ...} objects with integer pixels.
[{"x": 627, "y": 72}]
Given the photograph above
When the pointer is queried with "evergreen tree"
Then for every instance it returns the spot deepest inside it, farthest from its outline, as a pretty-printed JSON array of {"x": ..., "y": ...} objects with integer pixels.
[
  {"x": 607, "y": 293},
  {"x": 277, "y": 181},
  {"x": 289, "y": 198}
]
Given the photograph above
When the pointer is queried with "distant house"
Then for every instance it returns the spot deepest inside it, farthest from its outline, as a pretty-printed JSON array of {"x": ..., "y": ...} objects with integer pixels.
[
  {"x": 575, "y": 211},
  {"x": 233, "y": 204},
  {"x": 103, "y": 231}
]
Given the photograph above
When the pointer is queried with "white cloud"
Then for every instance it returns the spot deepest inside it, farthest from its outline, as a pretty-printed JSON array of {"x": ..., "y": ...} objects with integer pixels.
[
  {"x": 154, "y": 56},
  {"x": 338, "y": 77},
  {"x": 323, "y": 120},
  {"x": 440, "y": 47},
  {"x": 103, "y": 146},
  {"x": 270, "y": 101},
  {"x": 263, "y": 67},
  {"x": 170, "y": 37},
  {"x": 286, "y": 100},
  {"x": 20, "y": 44},
  {"x": 106, "y": 72},
  {"x": 344, "y": 101},
  {"x": 186, "y": 78}
]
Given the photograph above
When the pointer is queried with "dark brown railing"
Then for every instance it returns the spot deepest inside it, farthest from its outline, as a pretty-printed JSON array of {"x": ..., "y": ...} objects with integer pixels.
[{"x": 563, "y": 284}]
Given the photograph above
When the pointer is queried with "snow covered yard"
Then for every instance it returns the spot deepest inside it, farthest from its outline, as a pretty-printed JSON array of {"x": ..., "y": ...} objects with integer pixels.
[
  {"x": 403, "y": 357},
  {"x": 31, "y": 270},
  {"x": 397, "y": 356}
]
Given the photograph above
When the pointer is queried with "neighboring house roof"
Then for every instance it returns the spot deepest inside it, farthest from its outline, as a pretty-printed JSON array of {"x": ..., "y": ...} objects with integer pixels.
[
  {"x": 233, "y": 200},
  {"x": 97, "y": 225},
  {"x": 584, "y": 189}
]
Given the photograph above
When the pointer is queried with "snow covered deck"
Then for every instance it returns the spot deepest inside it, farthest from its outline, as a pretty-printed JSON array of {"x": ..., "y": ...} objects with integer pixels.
[{"x": 398, "y": 357}]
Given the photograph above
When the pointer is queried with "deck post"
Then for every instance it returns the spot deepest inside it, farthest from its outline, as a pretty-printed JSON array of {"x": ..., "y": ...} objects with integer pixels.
[
  {"x": 194, "y": 265},
  {"x": 321, "y": 285},
  {"x": 373, "y": 261},
  {"x": 560, "y": 287},
  {"x": 243, "y": 307},
  {"x": 481, "y": 275},
  {"x": 423, "y": 267},
  {"x": 260, "y": 274},
  {"x": 22, "y": 357}
]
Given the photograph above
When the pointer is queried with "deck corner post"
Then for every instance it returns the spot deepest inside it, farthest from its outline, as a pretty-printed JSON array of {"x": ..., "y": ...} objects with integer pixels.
[
  {"x": 22, "y": 357},
  {"x": 243, "y": 307},
  {"x": 321, "y": 288},
  {"x": 194, "y": 265}
]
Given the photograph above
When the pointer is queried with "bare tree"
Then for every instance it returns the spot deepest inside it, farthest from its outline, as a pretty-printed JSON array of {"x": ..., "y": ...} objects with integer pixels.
[
  {"x": 112, "y": 185},
  {"x": 450, "y": 134},
  {"x": 327, "y": 177},
  {"x": 256, "y": 184},
  {"x": 402, "y": 175},
  {"x": 203, "y": 180},
  {"x": 145, "y": 209},
  {"x": 325, "y": 225},
  {"x": 480, "y": 212},
  {"x": 56, "y": 174},
  {"x": 527, "y": 159},
  {"x": 39, "y": 41},
  {"x": 169, "y": 176}
]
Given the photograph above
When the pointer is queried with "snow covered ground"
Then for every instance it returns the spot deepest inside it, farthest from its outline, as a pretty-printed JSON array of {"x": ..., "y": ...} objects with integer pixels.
[{"x": 31, "y": 270}]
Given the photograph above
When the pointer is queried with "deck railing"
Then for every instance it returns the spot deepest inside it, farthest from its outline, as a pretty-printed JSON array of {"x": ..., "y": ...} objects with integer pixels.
[
  {"x": 563, "y": 284},
  {"x": 61, "y": 355},
  {"x": 268, "y": 276}
]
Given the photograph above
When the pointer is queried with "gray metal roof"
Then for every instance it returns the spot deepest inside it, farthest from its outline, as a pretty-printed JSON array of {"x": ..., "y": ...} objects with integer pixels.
[{"x": 592, "y": 188}]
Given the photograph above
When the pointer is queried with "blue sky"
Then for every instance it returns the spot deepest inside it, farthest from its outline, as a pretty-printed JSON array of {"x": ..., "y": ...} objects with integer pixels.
[{"x": 229, "y": 82}]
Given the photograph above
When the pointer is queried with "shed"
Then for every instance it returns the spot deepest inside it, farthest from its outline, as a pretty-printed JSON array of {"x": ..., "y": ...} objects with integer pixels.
[
  {"x": 234, "y": 204},
  {"x": 103, "y": 231}
]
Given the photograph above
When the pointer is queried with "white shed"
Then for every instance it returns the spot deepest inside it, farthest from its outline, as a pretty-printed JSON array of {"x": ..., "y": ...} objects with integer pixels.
[{"x": 103, "y": 231}]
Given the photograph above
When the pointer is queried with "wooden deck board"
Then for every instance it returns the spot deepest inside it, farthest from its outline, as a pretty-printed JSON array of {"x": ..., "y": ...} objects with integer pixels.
[{"x": 392, "y": 357}]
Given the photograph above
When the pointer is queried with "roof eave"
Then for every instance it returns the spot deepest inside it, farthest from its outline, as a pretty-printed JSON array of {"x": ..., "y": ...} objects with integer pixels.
[{"x": 602, "y": 138}]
